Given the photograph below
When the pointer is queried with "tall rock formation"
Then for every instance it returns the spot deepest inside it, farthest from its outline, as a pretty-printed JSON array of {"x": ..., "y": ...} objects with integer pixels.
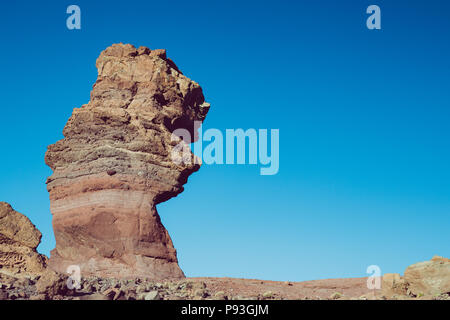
[
  {"x": 114, "y": 166},
  {"x": 19, "y": 239}
]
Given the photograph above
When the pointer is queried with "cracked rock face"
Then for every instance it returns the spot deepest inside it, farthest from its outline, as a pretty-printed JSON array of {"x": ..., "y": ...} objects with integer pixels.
[
  {"x": 429, "y": 277},
  {"x": 19, "y": 239},
  {"x": 114, "y": 166}
]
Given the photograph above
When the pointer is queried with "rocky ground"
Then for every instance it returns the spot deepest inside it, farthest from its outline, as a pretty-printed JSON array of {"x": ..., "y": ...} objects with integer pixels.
[
  {"x": 26, "y": 275},
  {"x": 53, "y": 286}
]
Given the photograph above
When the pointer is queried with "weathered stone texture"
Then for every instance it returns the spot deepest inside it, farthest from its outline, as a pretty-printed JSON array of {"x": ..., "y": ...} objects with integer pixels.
[{"x": 114, "y": 166}]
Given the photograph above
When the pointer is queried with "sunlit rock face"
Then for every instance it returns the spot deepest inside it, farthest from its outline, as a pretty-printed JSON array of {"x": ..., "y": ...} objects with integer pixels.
[
  {"x": 114, "y": 166},
  {"x": 19, "y": 239}
]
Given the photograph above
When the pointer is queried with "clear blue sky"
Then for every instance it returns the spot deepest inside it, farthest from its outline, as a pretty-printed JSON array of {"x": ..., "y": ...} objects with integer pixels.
[{"x": 363, "y": 116}]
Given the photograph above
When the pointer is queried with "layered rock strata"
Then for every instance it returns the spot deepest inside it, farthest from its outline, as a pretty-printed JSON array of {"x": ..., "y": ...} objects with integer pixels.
[{"x": 114, "y": 166}]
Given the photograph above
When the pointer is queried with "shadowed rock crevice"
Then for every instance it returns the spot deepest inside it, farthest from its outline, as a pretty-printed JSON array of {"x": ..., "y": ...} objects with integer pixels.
[{"x": 114, "y": 166}]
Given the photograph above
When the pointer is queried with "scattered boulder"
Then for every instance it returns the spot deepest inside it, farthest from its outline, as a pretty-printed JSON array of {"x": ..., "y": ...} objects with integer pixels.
[
  {"x": 52, "y": 284},
  {"x": 152, "y": 295},
  {"x": 220, "y": 295},
  {"x": 19, "y": 239},
  {"x": 113, "y": 293},
  {"x": 94, "y": 296},
  {"x": 201, "y": 293},
  {"x": 429, "y": 277},
  {"x": 393, "y": 284},
  {"x": 424, "y": 280},
  {"x": 336, "y": 296},
  {"x": 3, "y": 294}
]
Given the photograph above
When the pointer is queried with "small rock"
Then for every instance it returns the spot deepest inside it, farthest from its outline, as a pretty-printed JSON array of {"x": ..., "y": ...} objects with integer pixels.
[
  {"x": 13, "y": 296},
  {"x": 336, "y": 296},
  {"x": 113, "y": 293},
  {"x": 220, "y": 295},
  {"x": 199, "y": 285},
  {"x": 52, "y": 284},
  {"x": 87, "y": 287},
  {"x": 3, "y": 295},
  {"x": 181, "y": 294},
  {"x": 104, "y": 288},
  {"x": 94, "y": 296},
  {"x": 173, "y": 287},
  {"x": 202, "y": 293},
  {"x": 130, "y": 294},
  {"x": 141, "y": 288},
  {"x": 152, "y": 295},
  {"x": 440, "y": 259}
]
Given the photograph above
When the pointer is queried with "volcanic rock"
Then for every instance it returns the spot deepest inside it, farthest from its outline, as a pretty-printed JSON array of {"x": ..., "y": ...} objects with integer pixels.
[
  {"x": 429, "y": 277},
  {"x": 51, "y": 284},
  {"x": 393, "y": 284},
  {"x": 19, "y": 239},
  {"x": 114, "y": 166}
]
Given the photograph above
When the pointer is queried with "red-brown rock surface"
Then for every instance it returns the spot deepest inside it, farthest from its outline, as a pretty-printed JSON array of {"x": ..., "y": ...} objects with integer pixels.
[{"x": 114, "y": 166}]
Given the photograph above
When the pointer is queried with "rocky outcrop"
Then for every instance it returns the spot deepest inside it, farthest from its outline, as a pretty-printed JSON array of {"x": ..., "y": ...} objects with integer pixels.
[
  {"x": 51, "y": 284},
  {"x": 423, "y": 279},
  {"x": 19, "y": 239},
  {"x": 429, "y": 277},
  {"x": 393, "y": 284},
  {"x": 114, "y": 166}
]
